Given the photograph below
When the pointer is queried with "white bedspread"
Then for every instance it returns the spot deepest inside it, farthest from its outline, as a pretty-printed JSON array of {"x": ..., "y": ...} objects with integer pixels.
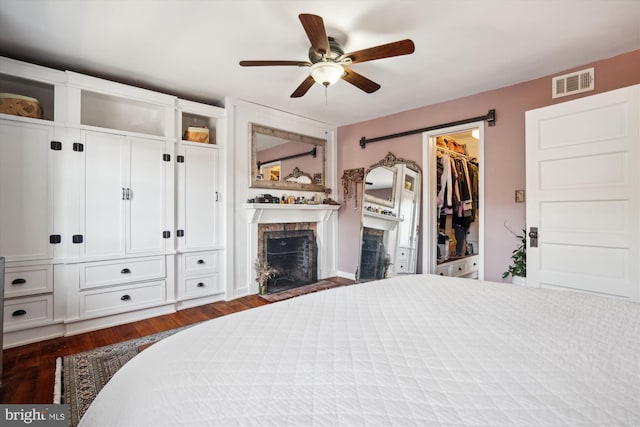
[{"x": 417, "y": 350}]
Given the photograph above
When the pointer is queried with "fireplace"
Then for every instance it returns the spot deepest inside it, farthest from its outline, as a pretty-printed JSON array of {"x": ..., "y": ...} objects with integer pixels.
[
  {"x": 372, "y": 254},
  {"x": 291, "y": 249}
]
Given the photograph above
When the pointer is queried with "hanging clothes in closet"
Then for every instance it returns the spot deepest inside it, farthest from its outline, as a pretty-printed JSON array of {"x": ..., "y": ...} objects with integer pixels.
[{"x": 457, "y": 186}]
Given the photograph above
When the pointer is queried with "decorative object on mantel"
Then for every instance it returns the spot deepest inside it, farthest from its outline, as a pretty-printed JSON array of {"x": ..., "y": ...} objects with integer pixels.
[
  {"x": 350, "y": 180},
  {"x": 265, "y": 272}
]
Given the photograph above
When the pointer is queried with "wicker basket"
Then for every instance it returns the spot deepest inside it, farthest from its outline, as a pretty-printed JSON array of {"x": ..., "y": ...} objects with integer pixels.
[
  {"x": 197, "y": 134},
  {"x": 19, "y": 105}
]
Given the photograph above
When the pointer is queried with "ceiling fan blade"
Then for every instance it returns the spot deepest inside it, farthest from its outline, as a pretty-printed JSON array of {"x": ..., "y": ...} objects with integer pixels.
[
  {"x": 303, "y": 88},
  {"x": 402, "y": 47},
  {"x": 360, "y": 81},
  {"x": 268, "y": 63},
  {"x": 314, "y": 27}
]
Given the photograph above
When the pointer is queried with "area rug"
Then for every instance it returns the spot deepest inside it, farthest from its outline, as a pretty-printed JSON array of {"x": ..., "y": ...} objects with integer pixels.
[{"x": 79, "y": 377}]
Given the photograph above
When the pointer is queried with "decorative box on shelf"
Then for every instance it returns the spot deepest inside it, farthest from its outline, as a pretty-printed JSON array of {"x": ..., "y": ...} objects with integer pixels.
[
  {"x": 197, "y": 134},
  {"x": 19, "y": 105}
]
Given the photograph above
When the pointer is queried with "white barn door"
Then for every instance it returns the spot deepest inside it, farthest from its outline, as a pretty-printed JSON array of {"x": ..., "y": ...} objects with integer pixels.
[{"x": 583, "y": 191}]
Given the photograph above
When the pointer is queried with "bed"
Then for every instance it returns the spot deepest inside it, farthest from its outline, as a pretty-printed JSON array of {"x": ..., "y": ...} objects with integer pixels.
[{"x": 413, "y": 350}]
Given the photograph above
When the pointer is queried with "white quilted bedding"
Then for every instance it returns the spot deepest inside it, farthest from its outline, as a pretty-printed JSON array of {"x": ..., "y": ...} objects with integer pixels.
[{"x": 416, "y": 350}]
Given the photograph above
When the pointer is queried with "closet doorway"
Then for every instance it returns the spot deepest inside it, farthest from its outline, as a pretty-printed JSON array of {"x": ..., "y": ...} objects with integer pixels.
[{"x": 453, "y": 214}]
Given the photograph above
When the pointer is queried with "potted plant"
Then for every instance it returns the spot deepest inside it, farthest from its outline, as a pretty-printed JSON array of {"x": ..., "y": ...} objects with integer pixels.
[{"x": 518, "y": 267}]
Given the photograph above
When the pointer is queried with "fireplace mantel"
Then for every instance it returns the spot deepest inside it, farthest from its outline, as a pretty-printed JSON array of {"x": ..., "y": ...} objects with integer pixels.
[
  {"x": 379, "y": 221},
  {"x": 265, "y": 213}
]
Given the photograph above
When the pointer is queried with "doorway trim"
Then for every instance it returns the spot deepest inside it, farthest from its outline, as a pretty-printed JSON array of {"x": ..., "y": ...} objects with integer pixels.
[{"x": 429, "y": 195}]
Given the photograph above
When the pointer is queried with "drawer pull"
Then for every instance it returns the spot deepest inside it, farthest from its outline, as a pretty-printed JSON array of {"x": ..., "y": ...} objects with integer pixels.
[
  {"x": 200, "y": 285},
  {"x": 125, "y": 271},
  {"x": 125, "y": 297},
  {"x": 18, "y": 282},
  {"x": 19, "y": 313},
  {"x": 200, "y": 261}
]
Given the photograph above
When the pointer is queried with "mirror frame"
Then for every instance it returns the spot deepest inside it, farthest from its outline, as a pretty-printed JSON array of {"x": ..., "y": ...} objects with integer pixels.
[
  {"x": 390, "y": 160},
  {"x": 379, "y": 200},
  {"x": 256, "y": 129}
]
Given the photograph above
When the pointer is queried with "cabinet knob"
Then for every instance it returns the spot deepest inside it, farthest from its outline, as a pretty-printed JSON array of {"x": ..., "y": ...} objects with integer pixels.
[
  {"x": 442, "y": 274},
  {"x": 459, "y": 268},
  {"x": 200, "y": 261},
  {"x": 200, "y": 285},
  {"x": 18, "y": 282},
  {"x": 125, "y": 271},
  {"x": 125, "y": 297},
  {"x": 19, "y": 313}
]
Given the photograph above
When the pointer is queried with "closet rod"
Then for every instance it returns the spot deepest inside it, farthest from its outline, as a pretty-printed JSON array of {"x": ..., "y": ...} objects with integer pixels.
[{"x": 490, "y": 117}]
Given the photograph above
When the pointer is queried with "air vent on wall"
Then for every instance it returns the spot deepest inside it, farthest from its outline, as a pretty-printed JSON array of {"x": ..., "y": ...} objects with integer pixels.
[{"x": 576, "y": 82}]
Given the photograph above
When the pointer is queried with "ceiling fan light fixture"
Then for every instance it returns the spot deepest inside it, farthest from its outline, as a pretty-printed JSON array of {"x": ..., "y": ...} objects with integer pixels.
[{"x": 326, "y": 73}]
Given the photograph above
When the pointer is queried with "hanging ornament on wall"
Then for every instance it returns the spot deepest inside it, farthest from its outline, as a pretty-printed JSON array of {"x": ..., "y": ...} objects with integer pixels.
[{"x": 350, "y": 180}]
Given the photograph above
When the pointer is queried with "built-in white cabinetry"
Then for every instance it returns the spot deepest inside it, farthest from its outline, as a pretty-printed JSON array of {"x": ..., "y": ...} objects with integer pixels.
[
  {"x": 106, "y": 214},
  {"x": 31, "y": 180},
  {"x": 464, "y": 267},
  {"x": 200, "y": 169},
  {"x": 27, "y": 178},
  {"x": 197, "y": 215},
  {"x": 122, "y": 195}
]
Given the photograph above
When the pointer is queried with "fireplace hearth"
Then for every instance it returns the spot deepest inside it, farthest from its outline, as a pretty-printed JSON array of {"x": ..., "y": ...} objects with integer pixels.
[
  {"x": 373, "y": 254},
  {"x": 292, "y": 252}
]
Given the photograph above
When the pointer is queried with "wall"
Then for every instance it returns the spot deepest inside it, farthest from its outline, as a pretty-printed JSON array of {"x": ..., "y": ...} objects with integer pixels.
[
  {"x": 503, "y": 152},
  {"x": 239, "y": 116}
]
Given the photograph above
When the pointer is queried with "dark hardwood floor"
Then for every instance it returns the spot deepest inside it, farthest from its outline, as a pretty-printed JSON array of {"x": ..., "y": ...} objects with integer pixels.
[{"x": 29, "y": 370}]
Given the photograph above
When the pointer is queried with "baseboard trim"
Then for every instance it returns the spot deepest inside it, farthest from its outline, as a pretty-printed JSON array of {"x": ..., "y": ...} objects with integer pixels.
[{"x": 346, "y": 275}]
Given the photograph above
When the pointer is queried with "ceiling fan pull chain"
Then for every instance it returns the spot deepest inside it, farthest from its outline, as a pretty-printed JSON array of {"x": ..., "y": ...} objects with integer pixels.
[{"x": 326, "y": 98}]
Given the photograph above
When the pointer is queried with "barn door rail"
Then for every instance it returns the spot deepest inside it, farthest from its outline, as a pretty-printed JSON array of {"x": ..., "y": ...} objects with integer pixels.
[{"x": 490, "y": 118}]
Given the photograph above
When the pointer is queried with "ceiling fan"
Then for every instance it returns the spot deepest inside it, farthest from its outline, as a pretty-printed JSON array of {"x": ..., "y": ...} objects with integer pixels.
[{"x": 327, "y": 61}]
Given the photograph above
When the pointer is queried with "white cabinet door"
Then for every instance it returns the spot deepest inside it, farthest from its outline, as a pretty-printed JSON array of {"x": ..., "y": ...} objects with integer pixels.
[
  {"x": 198, "y": 197},
  {"x": 145, "y": 205},
  {"x": 583, "y": 191},
  {"x": 26, "y": 191},
  {"x": 122, "y": 195},
  {"x": 102, "y": 194}
]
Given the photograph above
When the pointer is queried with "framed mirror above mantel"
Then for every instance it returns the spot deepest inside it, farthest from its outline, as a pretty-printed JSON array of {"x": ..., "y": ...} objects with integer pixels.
[{"x": 286, "y": 160}]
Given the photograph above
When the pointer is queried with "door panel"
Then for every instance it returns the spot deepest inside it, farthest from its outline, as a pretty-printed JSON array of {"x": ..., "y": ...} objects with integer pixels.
[
  {"x": 583, "y": 192},
  {"x": 26, "y": 191},
  {"x": 199, "y": 194},
  {"x": 145, "y": 213},
  {"x": 102, "y": 202}
]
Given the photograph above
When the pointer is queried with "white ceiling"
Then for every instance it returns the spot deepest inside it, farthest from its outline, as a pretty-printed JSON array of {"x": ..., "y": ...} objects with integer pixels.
[{"x": 191, "y": 48}]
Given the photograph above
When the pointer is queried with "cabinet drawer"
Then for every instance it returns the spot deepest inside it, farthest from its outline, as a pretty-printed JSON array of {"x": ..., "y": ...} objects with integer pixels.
[
  {"x": 458, "y": 268},
  {"x": 21, "y": 281},
  {"x": 443, "y": 270},
  {"x": 122, "y": 298},
  {"x": 200, "y": 262},
  {"x": 472, "y": 264},
  {"x": 28, "y": 312},
  {"x": 204, "y": 285},
  {"x": 93, "y": 275}
]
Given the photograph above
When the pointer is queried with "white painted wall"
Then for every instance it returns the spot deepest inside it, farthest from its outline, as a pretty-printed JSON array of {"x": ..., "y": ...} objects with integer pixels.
[{"x": 240, "y": 114}]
